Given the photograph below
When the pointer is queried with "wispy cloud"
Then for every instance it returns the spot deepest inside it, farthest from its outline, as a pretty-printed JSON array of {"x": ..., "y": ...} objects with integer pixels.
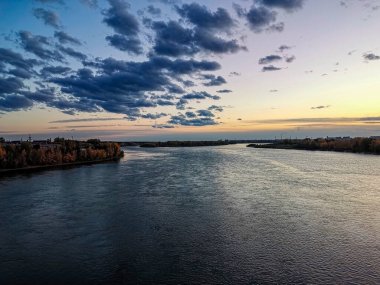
[
  {"x": 85, "y": 120},
  {"x": 320, "y": 107},
  {"x": 371, "y": 56}
]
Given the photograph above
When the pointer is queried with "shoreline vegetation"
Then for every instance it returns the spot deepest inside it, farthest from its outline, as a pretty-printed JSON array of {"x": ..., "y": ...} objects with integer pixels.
[
  {"x": 18, "y": 157},
  {"x": 351, "y": 145},
  {"x": 191, "y": 143},
  {"x": 185, "y": 144}
]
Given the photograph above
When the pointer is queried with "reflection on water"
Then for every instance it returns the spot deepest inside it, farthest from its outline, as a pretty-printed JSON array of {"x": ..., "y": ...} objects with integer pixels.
[{"x": 222, "y": 215}]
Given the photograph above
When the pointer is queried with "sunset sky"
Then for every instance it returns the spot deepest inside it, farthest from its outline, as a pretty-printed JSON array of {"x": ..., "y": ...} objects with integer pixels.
[{"x": 167, "y": 69}]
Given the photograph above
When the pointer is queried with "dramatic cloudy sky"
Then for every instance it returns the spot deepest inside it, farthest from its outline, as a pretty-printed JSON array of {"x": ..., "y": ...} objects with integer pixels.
[{"x": 178, "y": 69}]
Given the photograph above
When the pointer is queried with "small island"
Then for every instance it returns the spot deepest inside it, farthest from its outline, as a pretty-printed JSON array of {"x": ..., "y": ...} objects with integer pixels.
[
  {"x": 369, "y": 145},
  {"x": 33, "y": 155}
]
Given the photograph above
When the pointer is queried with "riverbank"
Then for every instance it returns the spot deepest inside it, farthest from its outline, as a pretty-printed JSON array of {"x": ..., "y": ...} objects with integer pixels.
[
  {"x": 16, "y": 157},
  {"x": 355, "y": 145},
  {"x": 153, "y": 144},
  {"x": 30, "y": 169},
  {"x": 185, "y": 143}
]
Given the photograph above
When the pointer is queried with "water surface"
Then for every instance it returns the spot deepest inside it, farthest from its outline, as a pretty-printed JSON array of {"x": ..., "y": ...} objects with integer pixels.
[{"x": 211, "y": 215}]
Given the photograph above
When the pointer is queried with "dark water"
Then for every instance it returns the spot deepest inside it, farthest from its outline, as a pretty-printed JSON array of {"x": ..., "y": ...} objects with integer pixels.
[{"x": 222, "y": 215}]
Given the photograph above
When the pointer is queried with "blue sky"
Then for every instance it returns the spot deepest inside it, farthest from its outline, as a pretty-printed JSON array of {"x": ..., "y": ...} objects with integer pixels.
[{"x": 166, "y": 69}]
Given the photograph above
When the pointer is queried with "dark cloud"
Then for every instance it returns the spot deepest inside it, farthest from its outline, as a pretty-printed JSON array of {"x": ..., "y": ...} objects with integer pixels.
[
  {"x": 172, "y": 39},
  {"x": 196, "y": 122},
  {"x": 186, "y": 66},
  {"x": 283, "y": 48},
  {"x": 53, "y": 70},
  {"x": 181, "y": 104},
  {"x": 124, "y": 87},
  {"x": 216, "y": 108},
  {"x": 15, "y": 59},
  {"x": 290, "y": 59},
  {"x": 260, "y": 17},
  {"x": 343, "y": 4},
  {"x": 50, "y": 18},
  {"x": 200, "y": 96},
  {"x": 161, "y": 102},
  {"x": 188, "y": 83},
  {"x": 203, "y": 35},
  {"x": 289, "y": 5},
  {"x": 118, "y": 18},
  {"x": 320, "y": 107},
  {"x": 64, "y": 38},
  {"x": 163, "y": 126},
  {"x": 12, "y": 102},
  {"x": 191, "y": 115},
  {"x": 10, "y": 85},
  {"x": 270, "y": 59},
  {"x": 175, "y": 89},
  {"x": 278, "y": 27},
  {"x": 371, "y": 56},
  {"x": 73, "y": 105},
  {"x": 208, "y": 41},
  {"x": 37, "y": 46},
  {"x": 270, "y": 68},
  {"x": 224, "y": 91},
  {"x": 46, "y": 96},
  {"x": 202, "y": 17},
  {"x": 125, "y": 24},
  {"x": 73, "y": 53},
  {"x": 167, "y": 97},
  {"x": 214, "y": 80},
  {"x": 205, "y": 113},
  {"x": 84, "y": 73},
  {"x": 21, "y": 73},
  {"x": 153, "y": 116},
  {"x": 156, "y": 65},
  {"x": 131, "y": 45}
]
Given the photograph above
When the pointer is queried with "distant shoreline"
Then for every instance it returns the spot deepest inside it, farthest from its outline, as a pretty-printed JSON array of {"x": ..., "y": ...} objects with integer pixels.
[
  {"x": 168, "y": 144},
  {"x": 357, "y": 145}
]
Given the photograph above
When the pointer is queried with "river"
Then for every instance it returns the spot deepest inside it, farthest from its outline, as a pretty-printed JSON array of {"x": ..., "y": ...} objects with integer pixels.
[{"x": 208, "y": 215}]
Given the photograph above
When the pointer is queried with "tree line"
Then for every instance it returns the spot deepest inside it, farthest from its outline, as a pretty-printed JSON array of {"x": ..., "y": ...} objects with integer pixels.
[
  {"x": 61, "y": 151},
  {"x": 185, "y": 143},
  {"x": 355, "y": 145}
]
